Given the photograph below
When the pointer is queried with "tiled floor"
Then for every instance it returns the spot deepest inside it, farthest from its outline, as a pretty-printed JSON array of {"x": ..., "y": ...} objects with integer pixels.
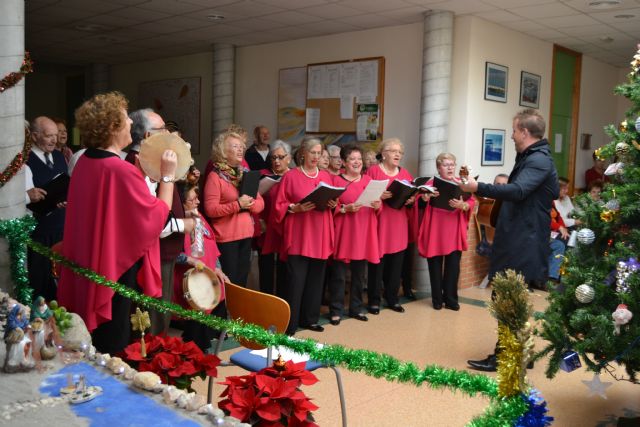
[{"x": 425, "y": 336}]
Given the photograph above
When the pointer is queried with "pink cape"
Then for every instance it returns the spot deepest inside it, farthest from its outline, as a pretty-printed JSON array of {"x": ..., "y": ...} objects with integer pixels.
[
  {"x": 112, "y": 221},
  {"x": 311, "y": 233},
  {"x": 442, "y": 231},
  {"x": 356, "y": 232},
  {"x": 393, "y": 224}
]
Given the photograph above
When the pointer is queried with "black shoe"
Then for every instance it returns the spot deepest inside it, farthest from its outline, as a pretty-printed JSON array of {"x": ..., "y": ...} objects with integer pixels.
[
  {"x": 360, "y": 317},
  {"x": 335, "y": 321},
  {"x": 410, "y": 295},
  {"x": 374, "y": 309},
  {"x": 397, "y": 308},
  {"x": 487, "y": 365},
  {"x": 452, "y": 307},
  {"x": 437, "y": 306},
  {"x": 315, "y": 328}
]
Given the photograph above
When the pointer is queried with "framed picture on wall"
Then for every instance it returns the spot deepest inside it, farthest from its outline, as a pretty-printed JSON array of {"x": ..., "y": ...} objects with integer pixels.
[
  {"x": 495, "y": 85},
  {"x": 493, "y": 147},
  {"x": 529, "y": 90}
]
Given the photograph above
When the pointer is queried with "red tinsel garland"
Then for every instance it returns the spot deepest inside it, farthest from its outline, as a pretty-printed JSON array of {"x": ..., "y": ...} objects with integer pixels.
[
  {"x": 12, "y": 79},
  {"x": 12, "y": 169},
  {"x": 7, "y": 82}
]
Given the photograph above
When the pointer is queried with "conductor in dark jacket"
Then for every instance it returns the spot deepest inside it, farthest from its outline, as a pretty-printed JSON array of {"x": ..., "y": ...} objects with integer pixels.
[{"x": 521, "y": 240}]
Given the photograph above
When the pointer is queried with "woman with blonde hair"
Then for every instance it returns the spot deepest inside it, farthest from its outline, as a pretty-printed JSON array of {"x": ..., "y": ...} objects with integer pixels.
[
  {"x": 442, "y": 238},
  {"x": 307, "y": 236},
  {"x": 229, "y": 211},
  {"x": 393, "y": 230}
]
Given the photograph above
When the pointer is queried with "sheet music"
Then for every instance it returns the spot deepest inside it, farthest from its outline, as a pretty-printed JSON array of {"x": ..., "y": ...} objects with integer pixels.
[
  {"x": 372, "y": 192},
  {"x": 266, "y": 183}
]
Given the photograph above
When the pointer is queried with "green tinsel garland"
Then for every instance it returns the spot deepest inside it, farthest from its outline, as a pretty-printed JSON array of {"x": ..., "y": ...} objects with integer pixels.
[
  {"x": 17, "y": 232},
  {"x": 502, "y": 412}
]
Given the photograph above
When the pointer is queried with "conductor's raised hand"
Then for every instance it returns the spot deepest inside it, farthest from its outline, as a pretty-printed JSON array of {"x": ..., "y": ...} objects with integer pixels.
[{"x": 471, "y": 186}]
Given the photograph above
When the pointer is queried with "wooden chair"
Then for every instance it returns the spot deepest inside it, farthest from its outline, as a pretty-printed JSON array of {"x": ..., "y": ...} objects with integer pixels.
[{"x": 272, "y": 313}]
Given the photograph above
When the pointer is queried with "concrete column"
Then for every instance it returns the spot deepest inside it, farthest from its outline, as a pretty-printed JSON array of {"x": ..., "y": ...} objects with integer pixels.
[
  {"x": 223, "y": 86},
  {"x": 437, "y": 51},
  {"x": 98, "y": 78},
  {"x": 12, "y": 194}
]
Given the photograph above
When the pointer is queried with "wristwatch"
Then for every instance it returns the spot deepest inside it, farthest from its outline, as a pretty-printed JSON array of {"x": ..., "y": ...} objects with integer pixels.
[
  {"x": 343, "y": 209},
  {"x": 168, "y": 178}
]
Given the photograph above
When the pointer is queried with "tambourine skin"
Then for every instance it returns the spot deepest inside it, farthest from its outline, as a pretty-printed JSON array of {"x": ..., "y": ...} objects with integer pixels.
[
  {"x": 201, "y": 289},
  {"x": 151, "y": 150}
]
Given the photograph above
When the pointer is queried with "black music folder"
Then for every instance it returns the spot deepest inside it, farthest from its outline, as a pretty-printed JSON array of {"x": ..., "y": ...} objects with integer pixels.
[{"x": 56, "y": 192}]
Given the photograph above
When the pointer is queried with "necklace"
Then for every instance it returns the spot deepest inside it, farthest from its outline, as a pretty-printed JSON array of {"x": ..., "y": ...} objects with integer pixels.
[
  {"x": 346, "y": 178},
  {"x": 387, "y": 172},
  {"x": 309, "y": 176}
]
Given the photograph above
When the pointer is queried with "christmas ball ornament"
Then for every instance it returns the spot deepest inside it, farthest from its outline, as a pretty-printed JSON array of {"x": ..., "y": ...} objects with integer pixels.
[
  {"x": 585, "y": 293},
  {"x": 606, "y": 216},
  {"x": 638, "y": 125},
  {"x": 613, "y": 205},
  {"x": 622, "y": 149},
  {"x": 586, "y": 236},
  {"x": 623, "y": 126}
]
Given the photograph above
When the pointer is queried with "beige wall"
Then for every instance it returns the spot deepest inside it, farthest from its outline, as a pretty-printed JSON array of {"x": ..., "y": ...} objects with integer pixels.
[
  {"x": 126, "y": 78},
  {"x": 257, "y": 76},
  {"x": 476, "y": 42}
]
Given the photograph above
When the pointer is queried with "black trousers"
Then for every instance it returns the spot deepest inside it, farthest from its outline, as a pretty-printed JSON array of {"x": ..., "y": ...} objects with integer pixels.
[
  {"x": 407, "y": 270},
  {"x": 337, "y": 281},
  {"x": 235, "y": 260},
  {"x": 303, "y": 291},
  {"x": 272, "y": 274},
  {"x": 41, "y": 278},
  {"x": 201, "y": 334},
  {"x": 113, "y": 336},
  {"x": 388, "y": 273},
  {"x": 444, "y": 271}
]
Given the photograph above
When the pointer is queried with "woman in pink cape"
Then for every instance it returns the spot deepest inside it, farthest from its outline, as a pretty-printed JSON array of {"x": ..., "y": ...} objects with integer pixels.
[
  {"x": 442, "y": 238},
  {"x": 356, "y": 237},
  {"x": 113, "y": 223}
]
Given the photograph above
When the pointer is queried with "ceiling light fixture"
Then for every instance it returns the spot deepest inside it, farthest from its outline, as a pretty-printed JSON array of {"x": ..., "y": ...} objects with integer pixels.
[
  {"x": 215, "y": 17},
  {"x": 603, "y": 4}
]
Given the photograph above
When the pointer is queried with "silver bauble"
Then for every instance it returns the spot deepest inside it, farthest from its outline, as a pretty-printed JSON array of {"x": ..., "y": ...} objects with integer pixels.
[
  {"x": 585, "y": 293},
  {"x": 613, "y": 205},
  {"x": 586, "y": 236},
  {"x": 638, "y": 124},
  {"x": 622, "y": 149}
]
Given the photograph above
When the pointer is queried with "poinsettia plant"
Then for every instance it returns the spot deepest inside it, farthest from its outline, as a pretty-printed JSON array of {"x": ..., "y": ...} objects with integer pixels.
[
  {"x": 176, "y": 362},
  {"x": 271, "y": 397}
]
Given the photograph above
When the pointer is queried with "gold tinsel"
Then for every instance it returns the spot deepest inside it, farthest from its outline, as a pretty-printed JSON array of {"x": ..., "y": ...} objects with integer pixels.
[
  {"x": 607, "y": 215},
  {"x": 510, "y": 369}
]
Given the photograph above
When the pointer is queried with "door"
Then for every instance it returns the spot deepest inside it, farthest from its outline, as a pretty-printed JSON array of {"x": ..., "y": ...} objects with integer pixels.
[{"x": 565, "y": 100}]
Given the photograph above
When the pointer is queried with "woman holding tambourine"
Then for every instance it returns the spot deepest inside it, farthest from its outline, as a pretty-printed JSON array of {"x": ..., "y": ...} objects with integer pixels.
[
  {"x": 307, "y": 236},
  {"x": 229, "y": 211},
  {"x": 393, "y": 230},
  {"x": 356, "y": 237},
  {"x": 198, "y": 254}
]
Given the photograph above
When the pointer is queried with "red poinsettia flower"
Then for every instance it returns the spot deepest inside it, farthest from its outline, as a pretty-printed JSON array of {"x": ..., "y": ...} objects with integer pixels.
[{"x": 208, "y": 364}]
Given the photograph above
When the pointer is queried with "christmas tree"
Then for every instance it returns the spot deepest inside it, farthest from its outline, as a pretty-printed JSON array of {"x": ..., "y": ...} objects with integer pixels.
[{"x": 595, "y": 311}]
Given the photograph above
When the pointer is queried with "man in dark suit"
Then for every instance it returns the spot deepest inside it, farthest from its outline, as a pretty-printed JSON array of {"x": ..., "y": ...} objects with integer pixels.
[
  {"x": 523, "y": 221},
  {"x": 257, "y": 154},
  {"x": 44, "y": 164}
]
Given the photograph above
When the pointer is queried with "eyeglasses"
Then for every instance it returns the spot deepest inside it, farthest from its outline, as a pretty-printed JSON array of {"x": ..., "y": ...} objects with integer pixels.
[
  {"x": 158, "y": 129},
  {"x": 237, "y": 147},
  {"x": 335, "y": 157},
  {"x": 448, "y": 165},
  {"x": 284, "y": 156}
]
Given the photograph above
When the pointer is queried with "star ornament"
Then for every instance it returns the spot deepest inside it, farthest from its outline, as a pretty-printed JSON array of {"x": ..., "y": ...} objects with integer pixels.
[{"x": 597, "y": 387}]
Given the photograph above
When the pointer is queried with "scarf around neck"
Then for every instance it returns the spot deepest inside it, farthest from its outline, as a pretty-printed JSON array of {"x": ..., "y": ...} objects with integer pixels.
[{"x": 229, "y": 174}]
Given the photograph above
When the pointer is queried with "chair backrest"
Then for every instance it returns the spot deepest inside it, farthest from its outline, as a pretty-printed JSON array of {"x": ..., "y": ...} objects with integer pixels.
[{"x": 258, "y": 308}]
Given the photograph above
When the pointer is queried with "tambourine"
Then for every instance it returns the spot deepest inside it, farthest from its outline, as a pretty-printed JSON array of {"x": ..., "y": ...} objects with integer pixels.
[
  {"x": 152, "y": 148},
  {"x": 201, "y": 288}
]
